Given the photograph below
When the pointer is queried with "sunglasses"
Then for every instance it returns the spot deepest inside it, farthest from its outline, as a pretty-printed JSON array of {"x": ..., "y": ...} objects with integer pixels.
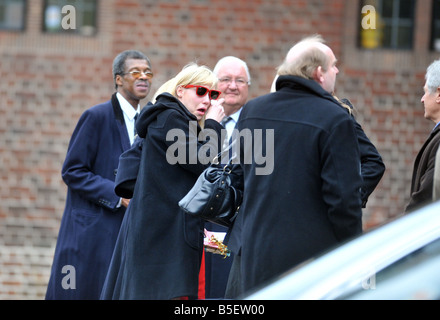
[
  {"x": 201, "y": 91},
  {"x": 138, "y": 74}
]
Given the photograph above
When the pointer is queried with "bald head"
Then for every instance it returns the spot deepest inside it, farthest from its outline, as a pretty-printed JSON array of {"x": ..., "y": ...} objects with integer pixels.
[
  {"x": 305, "y": 46},
  {"x": 311, "y": 59}
]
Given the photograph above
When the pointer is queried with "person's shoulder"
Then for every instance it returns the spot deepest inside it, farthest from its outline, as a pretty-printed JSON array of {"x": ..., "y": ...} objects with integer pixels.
[
  {"x": 261, "y": 98},
  {"x": 97, "y": 112},
  {"x": 333, "y": 107},
  {"x": 169, "y": 118},
  {"x": 100, "y": 107},
  {"x": 253, "y": 103}
]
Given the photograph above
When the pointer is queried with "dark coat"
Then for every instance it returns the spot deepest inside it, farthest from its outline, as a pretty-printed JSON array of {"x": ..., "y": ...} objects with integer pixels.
[
  {"x": 311, "y": 201},
  {"x": 91, "y": 219},
  {"x": 128, "y": 169},
  {"x": 423, "y": 174},
  {"x": 159, "y": 249},
  {"x": 372, "y": 166}
]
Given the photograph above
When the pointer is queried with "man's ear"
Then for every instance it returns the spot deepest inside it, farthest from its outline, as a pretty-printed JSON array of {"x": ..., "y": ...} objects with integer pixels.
[
  {"x": 319, "y": 75},
  {"x": 437, "y": 95},
  {"x": 118, "y": 80}
]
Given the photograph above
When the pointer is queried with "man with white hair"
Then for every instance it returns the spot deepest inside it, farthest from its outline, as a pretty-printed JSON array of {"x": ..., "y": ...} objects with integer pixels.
[
  {"x": 311, "y": 201},
  {"x": 234, "y": 81},
  {"x": 424, "y": 166}
]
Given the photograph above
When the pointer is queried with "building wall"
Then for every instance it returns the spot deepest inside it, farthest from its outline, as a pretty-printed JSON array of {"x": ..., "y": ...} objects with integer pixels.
[{"x": 48, "y": 80}]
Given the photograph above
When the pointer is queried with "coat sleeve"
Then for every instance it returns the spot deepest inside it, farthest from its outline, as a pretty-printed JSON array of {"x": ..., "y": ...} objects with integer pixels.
[
  {"x": 372, "y": 166},
  {"x": 422, "y": 187},
  {"x": 128, "y": 169},
  {"x": 189, "y": 146},
  {"x": 436, "y": 193},
  {"x": 79, "y": 167},
  {"x": 342, "y": 180}
]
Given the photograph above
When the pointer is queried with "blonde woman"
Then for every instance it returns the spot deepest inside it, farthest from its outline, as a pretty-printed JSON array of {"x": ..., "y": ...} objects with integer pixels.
[{"x": 159, "y": 249}]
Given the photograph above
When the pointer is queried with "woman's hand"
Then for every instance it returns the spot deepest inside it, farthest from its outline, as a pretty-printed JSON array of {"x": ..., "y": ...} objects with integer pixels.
[{"x": 216, "y": 111}]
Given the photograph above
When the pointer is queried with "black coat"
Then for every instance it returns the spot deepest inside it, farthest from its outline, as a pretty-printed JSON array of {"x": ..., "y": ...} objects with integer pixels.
[
  {"x": 422, "y": 182},
  {"x": 372, "y": 166},
  {"x": 159, "y": 248},
  {"x": 92, "y": 218},
  {"x": 311, "y": 201}
]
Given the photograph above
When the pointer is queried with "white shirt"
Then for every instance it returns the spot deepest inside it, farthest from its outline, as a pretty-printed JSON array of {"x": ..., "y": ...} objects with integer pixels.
[
  {"x": 230, "y": 125},
  {"x": 129, "y": 114}
]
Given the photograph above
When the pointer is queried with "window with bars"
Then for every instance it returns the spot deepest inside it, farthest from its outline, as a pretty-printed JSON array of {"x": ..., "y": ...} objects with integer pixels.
[
  {"x": 12, "y": 15},
  {"x": 70, "y": 16},
  {"x": 393, "y": 26}
]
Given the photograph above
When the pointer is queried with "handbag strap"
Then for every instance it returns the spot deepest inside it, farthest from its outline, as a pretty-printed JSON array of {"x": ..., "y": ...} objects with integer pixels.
[{"x": 218, "y": 158}]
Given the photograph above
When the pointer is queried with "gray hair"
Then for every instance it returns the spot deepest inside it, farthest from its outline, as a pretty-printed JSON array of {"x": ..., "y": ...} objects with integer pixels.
[
  {"x": 304, "y": 57},
  {"x": 433, "y": 76},
  {"x": 229, "y": 59},
  {"x": 119, "y": 62}
]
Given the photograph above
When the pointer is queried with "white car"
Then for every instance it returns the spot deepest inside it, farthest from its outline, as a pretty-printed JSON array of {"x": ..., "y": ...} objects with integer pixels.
[{"x": 398, "y": 261}]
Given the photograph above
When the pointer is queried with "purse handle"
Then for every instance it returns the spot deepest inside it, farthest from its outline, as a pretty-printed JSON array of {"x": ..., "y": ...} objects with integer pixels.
[{"x": 216, "y": 160}]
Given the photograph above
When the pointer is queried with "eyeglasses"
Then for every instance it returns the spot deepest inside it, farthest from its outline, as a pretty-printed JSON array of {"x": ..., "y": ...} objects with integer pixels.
[
  {"x": 239, "y": 82},
  {"x": 138, "y": 74},
  {"x": 201, "y": 91}
]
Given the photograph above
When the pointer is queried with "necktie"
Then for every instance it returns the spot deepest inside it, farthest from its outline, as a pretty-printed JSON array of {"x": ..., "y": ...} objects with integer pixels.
[
  {"x": 223, "y": 123},
  {"x": 225, "y": 120},
  {"x": 134, "y": 127}
]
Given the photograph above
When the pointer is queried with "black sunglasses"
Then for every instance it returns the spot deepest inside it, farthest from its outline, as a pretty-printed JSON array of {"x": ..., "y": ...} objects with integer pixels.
[{"x": 201, "y": 91}]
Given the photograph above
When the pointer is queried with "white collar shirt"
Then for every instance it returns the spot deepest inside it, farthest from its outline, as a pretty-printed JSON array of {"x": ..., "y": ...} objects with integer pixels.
[{"x": 230, "y": 125}]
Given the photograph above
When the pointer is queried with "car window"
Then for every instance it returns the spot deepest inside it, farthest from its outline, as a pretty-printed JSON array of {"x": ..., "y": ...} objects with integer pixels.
[{"x": 414, "y": 277}]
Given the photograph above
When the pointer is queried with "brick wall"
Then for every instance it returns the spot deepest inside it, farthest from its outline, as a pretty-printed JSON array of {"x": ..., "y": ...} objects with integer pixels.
[{"x": 47, "y": 81}]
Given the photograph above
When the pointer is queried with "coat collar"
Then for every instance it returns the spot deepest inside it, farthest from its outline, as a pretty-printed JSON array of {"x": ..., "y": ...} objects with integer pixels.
[
  {"x": 117, "y": 110},
  {"x": 299, "y": 83}
]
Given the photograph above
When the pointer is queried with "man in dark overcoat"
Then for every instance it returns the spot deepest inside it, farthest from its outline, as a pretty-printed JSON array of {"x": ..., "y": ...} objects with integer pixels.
[
  {"x": 93, "y": 212},
  {"x": 305, "y": 198},
  {"x": 424, "y": 166}
]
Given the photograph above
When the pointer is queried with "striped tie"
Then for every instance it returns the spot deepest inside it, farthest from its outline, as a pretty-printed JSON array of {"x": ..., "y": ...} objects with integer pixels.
[
  {"x": 225, "y": 120},
  {"x": 135, "y": 119}
]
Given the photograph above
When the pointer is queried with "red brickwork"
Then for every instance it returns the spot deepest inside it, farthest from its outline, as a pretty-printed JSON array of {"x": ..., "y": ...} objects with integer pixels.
[{"x": 48, "y": 80}]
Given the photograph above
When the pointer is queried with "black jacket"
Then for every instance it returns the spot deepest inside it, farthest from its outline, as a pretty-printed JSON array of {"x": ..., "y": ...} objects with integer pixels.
[
  {"x": 372, "y": 166},
  {"x": 422, "y": 182},
  {"x": 311, "y": 201},
  {"x": 159, "y": 249}
]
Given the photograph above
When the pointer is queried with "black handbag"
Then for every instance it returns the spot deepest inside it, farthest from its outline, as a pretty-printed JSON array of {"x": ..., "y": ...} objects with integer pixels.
[{"x": 217, "y": 194}]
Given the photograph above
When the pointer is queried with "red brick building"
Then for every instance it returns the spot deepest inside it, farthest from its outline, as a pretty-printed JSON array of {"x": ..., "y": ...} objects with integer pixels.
[{"x": 51, "y": 74}]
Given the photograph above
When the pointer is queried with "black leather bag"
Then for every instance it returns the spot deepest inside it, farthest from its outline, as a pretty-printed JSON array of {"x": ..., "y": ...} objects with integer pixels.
[{"x": 217, "y": 194}]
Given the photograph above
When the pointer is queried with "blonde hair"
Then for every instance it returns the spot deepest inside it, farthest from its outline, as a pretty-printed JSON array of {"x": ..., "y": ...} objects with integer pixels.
[
  {"x": 193, "y": 74},
  {"x": 344, "y": 105},
  {"x": 304, "y": 58}
]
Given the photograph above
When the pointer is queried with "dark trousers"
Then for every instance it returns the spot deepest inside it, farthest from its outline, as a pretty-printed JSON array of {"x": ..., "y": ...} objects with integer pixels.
[{"x": 233, "y": 287}]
